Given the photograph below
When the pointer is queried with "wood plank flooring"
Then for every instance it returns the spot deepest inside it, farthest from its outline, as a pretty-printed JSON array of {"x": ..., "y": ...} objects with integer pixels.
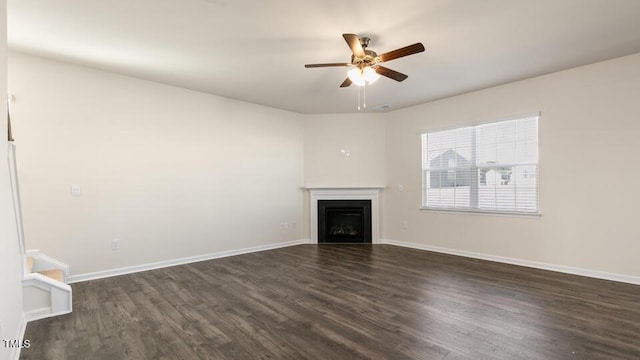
[{"x": 344, "y": 302}]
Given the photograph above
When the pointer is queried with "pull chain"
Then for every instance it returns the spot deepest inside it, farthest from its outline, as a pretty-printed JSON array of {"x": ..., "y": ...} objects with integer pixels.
[{"x": 364, "y": 96}]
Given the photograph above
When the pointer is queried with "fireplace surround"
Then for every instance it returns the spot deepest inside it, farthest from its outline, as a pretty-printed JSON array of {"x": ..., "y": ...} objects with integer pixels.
[{"x": 344, "y": 193}]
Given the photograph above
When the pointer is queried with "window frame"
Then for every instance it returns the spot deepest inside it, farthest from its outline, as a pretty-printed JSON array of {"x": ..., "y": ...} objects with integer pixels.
[{"x": 478, "y": 211}]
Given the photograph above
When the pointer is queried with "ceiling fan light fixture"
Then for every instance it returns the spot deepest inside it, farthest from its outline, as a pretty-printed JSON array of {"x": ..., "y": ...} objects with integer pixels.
[
  {"x": 360, "y": 76},
  {"x": 370, "y": 75},
  {"x": 356, "y": 76}
]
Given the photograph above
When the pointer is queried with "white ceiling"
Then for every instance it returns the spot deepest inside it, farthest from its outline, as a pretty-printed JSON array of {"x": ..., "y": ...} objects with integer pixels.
[{"x": 255, "y": 50}]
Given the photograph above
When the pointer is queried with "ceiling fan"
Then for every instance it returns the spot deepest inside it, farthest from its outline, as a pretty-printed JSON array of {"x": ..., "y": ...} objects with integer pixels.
[{"x": 367, "y": 62}]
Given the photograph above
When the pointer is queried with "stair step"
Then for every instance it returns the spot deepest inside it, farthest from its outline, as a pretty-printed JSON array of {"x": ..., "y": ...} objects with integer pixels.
[
  {"x": 29, "y": 264},
  {"x": 55, "y": 274}
]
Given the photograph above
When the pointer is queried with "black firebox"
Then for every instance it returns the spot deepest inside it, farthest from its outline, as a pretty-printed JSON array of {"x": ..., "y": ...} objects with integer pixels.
[{"x": 344, "y": 221}]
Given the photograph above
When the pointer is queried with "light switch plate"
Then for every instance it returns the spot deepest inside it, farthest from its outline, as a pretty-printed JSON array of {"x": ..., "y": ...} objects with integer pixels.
[{"x": 76, "y": 190}]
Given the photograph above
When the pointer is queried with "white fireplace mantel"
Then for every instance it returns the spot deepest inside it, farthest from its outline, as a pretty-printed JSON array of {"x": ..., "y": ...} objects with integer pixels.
[{"x": 345, "y": 193}]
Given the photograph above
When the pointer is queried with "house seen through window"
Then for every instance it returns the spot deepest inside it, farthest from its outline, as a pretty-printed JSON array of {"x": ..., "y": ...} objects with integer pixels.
[{"x": 490, "y": 167}]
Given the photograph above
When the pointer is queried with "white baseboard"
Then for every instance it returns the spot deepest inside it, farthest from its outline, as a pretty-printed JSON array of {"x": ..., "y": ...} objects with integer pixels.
[
  {"x": 513, "y": 261},
  {"x": 179, "y": 261},
  {"x": 42, "y": 313},
  {"x": 22, "y": 327},
  {"x": 37, "y": 314}
]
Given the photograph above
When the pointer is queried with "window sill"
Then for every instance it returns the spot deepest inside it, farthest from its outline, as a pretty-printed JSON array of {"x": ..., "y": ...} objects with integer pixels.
[{"x": 481, "y": 212}]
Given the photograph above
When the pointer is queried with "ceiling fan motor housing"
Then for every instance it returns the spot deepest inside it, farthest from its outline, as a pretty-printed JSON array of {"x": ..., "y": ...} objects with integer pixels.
[{"x": 370, "y": 58}]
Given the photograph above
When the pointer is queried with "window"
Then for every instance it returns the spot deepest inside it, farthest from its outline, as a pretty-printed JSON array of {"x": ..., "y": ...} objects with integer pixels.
[{"x": 484, "y": 168}]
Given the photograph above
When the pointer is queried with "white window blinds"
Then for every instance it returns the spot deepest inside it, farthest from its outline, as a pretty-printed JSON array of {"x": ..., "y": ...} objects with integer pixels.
[{"x": 490, "y": 167}]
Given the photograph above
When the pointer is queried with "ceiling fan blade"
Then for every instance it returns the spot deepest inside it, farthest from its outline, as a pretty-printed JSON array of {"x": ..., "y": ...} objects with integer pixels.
[
  {"x": 392, "y": 74},
  {"x": 346, "y": 82},
  {"x": 354, "y": 43},
  {"x": 326, "y": 65},
  {"x": 405, "y": 51}
]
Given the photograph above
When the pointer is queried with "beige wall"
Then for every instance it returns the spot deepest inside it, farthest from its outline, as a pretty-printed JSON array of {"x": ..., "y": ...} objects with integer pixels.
[
  {"x": 170, "y": 172},
  {"x": 10, "y": 256},
  {"x": 588, "y": 135},
  {"x": 324, "y": 138}
]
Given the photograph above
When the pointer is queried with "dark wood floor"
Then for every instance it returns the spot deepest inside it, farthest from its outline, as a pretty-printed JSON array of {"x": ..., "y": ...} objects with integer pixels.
[{"x": 344, "y": 302}]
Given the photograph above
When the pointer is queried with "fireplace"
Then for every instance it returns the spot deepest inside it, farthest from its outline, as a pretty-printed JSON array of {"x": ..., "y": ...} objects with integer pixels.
[
  {"x": 344, "y": 221},
  {"x": 318, "y": 193}
]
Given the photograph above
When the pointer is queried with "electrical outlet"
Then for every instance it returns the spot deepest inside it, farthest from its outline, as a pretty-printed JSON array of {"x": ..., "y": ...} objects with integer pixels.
[
  {"x": 115, "y": 244},
  {"x": 284, "y": 225},
  {"x": 405, "y": 225},
  {"x": 294, "y": 225}
]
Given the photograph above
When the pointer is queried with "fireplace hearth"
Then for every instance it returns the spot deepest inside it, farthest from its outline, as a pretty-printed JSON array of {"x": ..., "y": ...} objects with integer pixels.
[{"x": 344, "y": 221}]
